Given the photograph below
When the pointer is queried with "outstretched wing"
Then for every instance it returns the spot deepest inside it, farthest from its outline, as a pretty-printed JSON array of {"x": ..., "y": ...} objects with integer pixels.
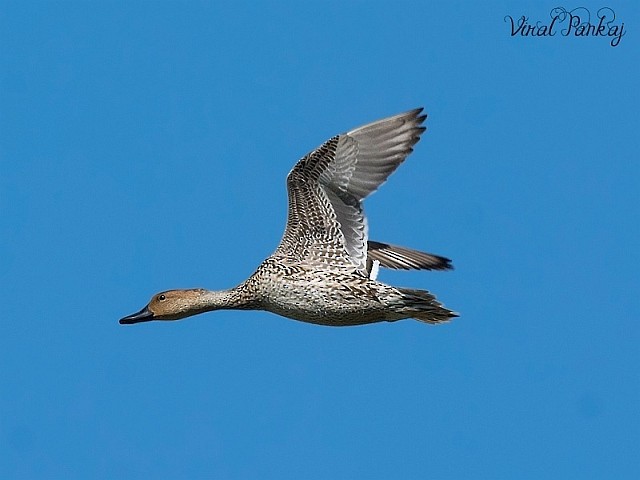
[
  {"x": 326, "y": 221},
  {"x": 402, "y": 258}
]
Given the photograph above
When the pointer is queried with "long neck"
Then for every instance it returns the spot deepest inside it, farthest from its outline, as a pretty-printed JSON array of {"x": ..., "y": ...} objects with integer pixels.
[{"x": 234, "y": 298}]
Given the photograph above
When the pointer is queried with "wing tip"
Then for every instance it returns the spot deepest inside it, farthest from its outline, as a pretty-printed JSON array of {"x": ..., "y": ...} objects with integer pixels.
[
  {"x": 402, "y": 258},
  {"x": 418, "y": 115}
]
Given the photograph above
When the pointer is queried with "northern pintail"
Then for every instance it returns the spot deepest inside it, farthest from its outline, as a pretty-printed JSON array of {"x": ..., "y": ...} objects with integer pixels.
[{"x": 324, "y": 270}]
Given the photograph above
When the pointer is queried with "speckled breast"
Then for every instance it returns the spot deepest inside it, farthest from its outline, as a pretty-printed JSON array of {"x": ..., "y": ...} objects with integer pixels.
[{"x": 316, "y": 296}]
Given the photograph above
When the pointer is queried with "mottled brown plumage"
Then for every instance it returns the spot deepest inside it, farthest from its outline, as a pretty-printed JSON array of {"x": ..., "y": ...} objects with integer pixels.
[{"x": 324, "y": 270}]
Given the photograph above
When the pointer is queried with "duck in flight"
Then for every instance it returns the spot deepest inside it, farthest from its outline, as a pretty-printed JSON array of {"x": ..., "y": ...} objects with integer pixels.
[{"x": 324, "y": 270}]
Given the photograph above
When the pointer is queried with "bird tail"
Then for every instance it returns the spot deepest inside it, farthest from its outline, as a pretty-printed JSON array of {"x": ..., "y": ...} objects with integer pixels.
[{"x": 424, "y": 307}]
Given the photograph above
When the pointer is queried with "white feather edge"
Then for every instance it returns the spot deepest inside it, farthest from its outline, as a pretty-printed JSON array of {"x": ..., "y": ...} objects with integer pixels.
[{"x": 375, "y": 268}]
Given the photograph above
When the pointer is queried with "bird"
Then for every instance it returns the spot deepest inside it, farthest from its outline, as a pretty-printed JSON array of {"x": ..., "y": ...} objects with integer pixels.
[{"x": 324, "y": 271}]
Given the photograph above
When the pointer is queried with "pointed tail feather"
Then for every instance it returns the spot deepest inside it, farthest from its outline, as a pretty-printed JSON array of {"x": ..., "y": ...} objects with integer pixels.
[{"x": 424, "y": 307}]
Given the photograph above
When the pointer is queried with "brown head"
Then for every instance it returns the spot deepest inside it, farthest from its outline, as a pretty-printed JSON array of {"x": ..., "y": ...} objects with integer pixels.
[{"x": 169, "y": 305}]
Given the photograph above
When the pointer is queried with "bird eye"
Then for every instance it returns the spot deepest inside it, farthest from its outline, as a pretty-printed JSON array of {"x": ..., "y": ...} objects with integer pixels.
[{"x": 161, "y": 297}]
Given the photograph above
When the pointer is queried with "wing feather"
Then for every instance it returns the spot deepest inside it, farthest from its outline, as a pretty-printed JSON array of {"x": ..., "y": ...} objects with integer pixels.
[
  {"x": 326, "y": 221},
  {"x": 401, "y": 258}
]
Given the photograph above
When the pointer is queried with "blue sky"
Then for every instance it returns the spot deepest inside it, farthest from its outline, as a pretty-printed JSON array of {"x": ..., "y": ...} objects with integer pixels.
[{"x": 144, "y": 146}]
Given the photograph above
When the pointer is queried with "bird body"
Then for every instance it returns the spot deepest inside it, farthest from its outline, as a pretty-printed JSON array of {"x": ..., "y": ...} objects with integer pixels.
[
  {"x": 324, "y": 270},
  {"x": 311, "y": 293}
]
